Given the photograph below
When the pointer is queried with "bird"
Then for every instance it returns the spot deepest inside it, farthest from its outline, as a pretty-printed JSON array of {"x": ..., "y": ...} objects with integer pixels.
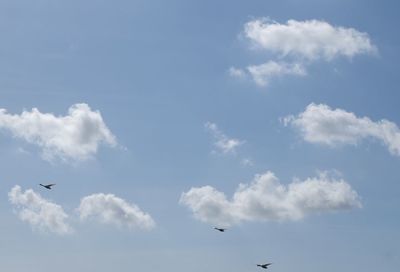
[
  {"x": 265, "y": 266},
  {"x": 47, "y": 186},
  {"x": 220, "y": 229}
]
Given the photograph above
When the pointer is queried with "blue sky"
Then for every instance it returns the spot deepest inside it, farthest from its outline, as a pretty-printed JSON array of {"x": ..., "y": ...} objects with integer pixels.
[{"x": 156, "y": 73}]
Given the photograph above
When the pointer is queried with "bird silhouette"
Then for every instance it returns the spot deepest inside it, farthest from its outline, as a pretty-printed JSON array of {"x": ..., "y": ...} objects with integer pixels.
[
  {"x": 265, "y": 266},
  {"x": 47, "y": 186},
  {"x": 220, "y": 229}
]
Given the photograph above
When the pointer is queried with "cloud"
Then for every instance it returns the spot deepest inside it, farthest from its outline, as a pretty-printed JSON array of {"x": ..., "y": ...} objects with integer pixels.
[
  {"x": 109, "y": 209},
  {"x": 266, "y": 199},
  {"x": 222, "y": 142},
  {"x": 235, "y": 72},
  {"x": 247, "y": 162},
  {"x": 262, "y": 74},
  {"x": 75, "y": 136},
  {"x": 40, "y": 213},
  {"x": 296, "y": 44},
  {"x": 310, "y": 39},
  {"x": 323, "y": 125}
]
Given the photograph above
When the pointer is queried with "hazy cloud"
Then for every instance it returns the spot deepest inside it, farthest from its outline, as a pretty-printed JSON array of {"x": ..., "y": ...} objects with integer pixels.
[
  {"x": 238, "y": 73},
  {"x": 247, "y": 162},
  {"x": 262, "y": 74}
]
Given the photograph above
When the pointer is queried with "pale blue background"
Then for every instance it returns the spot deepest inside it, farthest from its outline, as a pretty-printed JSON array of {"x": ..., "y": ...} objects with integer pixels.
[{"x": 157, "y": 71}]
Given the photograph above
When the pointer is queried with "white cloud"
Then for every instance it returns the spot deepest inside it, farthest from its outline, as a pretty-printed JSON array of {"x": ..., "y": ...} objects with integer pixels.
[
  {"x": 323, "y": 125},
  {"x": 247, "y": 162},
  {"x": 40, "y": 213},
  {"x": 235, "y": 72},
  {"x": 310, "y": 39},
  {"x": 222, "y": 142},
  {"x": 299, "y": 43},
  {"x": 265, "y": 199},
  {"x": 261, "y": 74},
  {"x": 72, "y": 137},
  {"x": 109, "y": 209}
]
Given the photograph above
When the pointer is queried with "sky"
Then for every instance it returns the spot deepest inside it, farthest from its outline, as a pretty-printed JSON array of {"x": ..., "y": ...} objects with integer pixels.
[{"x": 160, "y": 120}]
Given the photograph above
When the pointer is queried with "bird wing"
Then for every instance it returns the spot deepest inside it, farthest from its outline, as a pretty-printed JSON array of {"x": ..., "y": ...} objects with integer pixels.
[{"x": 47, "y": 186}]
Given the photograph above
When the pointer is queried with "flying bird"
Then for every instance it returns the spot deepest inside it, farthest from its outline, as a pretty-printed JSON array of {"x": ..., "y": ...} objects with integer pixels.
[
  {"x": 220, "y": 229},
  {"x": 265, "y": 266},
  {"x": 47, "y": 186}
]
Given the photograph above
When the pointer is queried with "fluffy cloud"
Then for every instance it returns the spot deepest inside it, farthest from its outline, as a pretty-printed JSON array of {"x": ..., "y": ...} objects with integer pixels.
[
  {"x": 40, "y": 213},
  {"x": 311, "y": 39},
  {"x": 323, "y": 125},
  {"x": 222, "y": 142},
  {"x": 298, "y": 43},
  {"x": 265, "y": 198},
  {"x": 72, "y": 137},
  {"x": 109, "y": 209}
]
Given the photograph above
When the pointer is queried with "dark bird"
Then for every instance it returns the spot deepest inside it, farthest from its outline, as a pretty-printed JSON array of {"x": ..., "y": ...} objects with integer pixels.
[
  {"x": 220, "y": 229},
  {"x": 265, "y": 266},
  {"x": 47, "y": 186}
]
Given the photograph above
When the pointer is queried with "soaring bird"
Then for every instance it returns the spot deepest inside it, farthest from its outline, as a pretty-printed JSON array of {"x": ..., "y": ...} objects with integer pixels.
[
  {"x": 47, "y": 186},
  {"x": 265, "y": 266},
  {"x": 220, "y": 229}
]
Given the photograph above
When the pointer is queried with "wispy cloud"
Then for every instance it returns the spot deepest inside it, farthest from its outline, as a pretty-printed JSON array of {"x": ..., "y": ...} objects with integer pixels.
[
  {"x": 262, "y": 74},
  {"x": 265, "y": 199},
  {"x": 323, "y": 125},
  {"x": 40, "y": 213},
  {"x": 247, "y": 162},
  {"x": 238, "y": 73},
  {"x": 110, "y": 209},
  {"x": 75, "y": 136},
  {"x": 222, "y": 142}
]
